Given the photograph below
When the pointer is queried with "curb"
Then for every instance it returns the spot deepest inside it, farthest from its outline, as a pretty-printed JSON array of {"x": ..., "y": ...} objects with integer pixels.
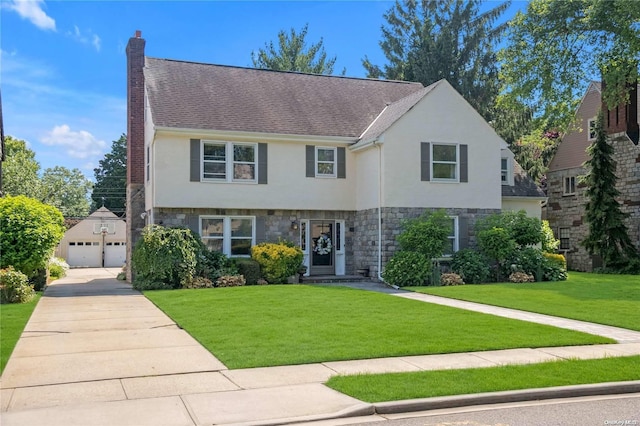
[
  {"x": 358, "y": 410},
  {"x": 425, "y": 404}
]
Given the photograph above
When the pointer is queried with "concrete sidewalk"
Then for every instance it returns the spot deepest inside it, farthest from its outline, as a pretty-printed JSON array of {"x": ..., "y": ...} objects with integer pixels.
[{"x": 96, "y": 352}]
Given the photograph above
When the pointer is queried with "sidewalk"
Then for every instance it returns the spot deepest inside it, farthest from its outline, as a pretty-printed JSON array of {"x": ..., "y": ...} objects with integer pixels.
[{"x": 96, "y": 352}]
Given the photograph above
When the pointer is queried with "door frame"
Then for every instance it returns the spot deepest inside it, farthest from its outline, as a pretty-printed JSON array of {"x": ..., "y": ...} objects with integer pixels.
[{"x": 322, "y": 269}]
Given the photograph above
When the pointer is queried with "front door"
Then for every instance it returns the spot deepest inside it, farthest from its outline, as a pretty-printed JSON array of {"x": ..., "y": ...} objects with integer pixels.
[{"x": 322, "y": 247}]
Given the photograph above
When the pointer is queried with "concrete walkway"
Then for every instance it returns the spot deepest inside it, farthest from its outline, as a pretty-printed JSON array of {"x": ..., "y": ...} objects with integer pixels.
[{"x": 96, "y": 352}]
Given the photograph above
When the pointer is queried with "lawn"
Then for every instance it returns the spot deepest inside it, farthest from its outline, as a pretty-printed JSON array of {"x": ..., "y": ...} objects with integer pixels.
[
  {"x": 426, "y": 384},
  {"x": 603, "y": 299},
  {"x": 13, "y": 318},
  {"x": 257, "y": 326}
]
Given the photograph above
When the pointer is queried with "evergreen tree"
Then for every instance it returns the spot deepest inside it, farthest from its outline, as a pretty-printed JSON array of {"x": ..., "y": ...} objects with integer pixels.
[
  {"x": 110, "y": 189},
  {"x": 608, "y": 236},
  {"x": 430, "y": 40},
  {"x": 292, "y": 54}
]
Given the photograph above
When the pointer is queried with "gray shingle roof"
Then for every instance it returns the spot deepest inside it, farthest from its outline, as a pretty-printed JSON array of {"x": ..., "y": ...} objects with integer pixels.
[
  {"x": 523, "y": 186},
  {"x": 204, "y": 96}
]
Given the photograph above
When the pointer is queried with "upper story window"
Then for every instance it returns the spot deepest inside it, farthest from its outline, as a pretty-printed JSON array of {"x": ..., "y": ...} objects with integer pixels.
[
  {"x": 569, "y": 185},
  {"x": 325, "y": 162},
  {"x": 231, "y": 235},
  {"x": 444, "y": 162},
  {"x": 229, "y": 162},
  {"x": 591, "y": 124},
  {"x": 504, "y": 171}
]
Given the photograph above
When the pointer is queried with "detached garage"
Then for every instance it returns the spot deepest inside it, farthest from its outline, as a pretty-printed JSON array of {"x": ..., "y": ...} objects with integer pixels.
[{"x": 97, "y": 241}]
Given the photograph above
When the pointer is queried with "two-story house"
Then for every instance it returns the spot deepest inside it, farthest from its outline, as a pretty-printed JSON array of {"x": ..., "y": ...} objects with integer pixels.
[
  {"x": 565, "y": 209},
  {"x": 334, "y": 164}
]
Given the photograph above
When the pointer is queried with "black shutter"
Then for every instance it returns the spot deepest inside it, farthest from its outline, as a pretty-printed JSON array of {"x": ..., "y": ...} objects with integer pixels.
[
  {"x": 342, "y": 166},
  {"x": 311, "y": 161},
  {"x": 425, "y": 161},
  {"x": 463, "y": 233},
  {"x": 195, "y": 160},
  {"x": 193, "y": 223},
  {"x": 464, "y": 164},
  {"x": 260, "y": 230},
  {"x": 262, "y": 163}
]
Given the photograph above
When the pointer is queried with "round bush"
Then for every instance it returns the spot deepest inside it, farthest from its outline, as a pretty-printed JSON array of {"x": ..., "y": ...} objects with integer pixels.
[
  {"x": 278, "y": 261},
  {"x": 471, "y": 266},
  {"x": 14, "y": 287},
  {"x": 407, "y": 268}
]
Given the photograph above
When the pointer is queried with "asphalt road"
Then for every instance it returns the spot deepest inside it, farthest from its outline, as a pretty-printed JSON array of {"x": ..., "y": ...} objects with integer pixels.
[{"x": 613, "y": 410}]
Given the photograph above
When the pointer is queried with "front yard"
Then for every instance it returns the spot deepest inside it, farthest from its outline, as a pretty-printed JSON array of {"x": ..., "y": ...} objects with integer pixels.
[
  {"x": 13, "y": 318},
  {"x": 599, "y": 298},
  {"x": 258, "y": 326}
]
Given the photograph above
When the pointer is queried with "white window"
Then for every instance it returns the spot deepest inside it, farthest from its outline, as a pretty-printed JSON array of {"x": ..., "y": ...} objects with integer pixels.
[
  {"x": 229, "y": 162},
  {"x": 569, "y": 185},
  {"x": 504, "y": 171},
  {"x": 326, "y": 162},
  {"x": 231, "y": 235},
  {"x": 591, "y": 125},
  {"x": 452, "y": 245},
  {"x": 444, "y": 162}
]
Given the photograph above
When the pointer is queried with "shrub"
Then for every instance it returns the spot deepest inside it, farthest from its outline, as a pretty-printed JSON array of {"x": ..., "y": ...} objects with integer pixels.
[
  {"x": 230, "y": 281},
  {"x": 14, "y": 286},
  {"x": 407, "y": 268},
  {"x": 471, "y": 266},
  {"x": 520, "y": 277},
  {"x": 427, "y": 235},
  {"x": 451, "y": 279},
  {"x": 57, "y": 268},
  {"x": 529, "y": 260},
  {"x": 497, "y": 244},
  {"x": 522, "y": 229},
  {"x": 213, "y": 264},
  {"x": 250, "y": 269},
  {"x": 200, "y": 282},
  {"x": 29, "y": 232},
  {"x": 549, "y": 242},
  {"x": 277, "y": 261},
  {"x": 554, "y": 267},
  {"x": 262, "y": 281},
  {"x": 165, "y": 258}
]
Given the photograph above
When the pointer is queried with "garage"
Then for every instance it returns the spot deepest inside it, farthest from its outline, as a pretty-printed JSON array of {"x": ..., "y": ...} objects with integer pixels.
[
  {"x": 115, "y": 254},
  {"x": 87, "y": 254}
]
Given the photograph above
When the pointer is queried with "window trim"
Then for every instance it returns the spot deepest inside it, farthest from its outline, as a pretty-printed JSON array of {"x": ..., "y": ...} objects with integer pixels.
[
  {"x": 571, "y": 187},
  {"x": 226, "y": 232},
  {"x": 229, "y": 161},
  {"x": 455, "y": 237},
  {"x": 505, "y": 172},
  {"x": 334, "y": 162},
  {"x": 591, "y": 123},
  {"x": 433, "y": 161}
]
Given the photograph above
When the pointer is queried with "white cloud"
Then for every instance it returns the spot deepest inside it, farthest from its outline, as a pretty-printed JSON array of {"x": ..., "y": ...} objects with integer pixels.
[
  {"x": 80, "y": 144},
  {"x": 87, "y": 37},
  {"x": 32, "y": 11}
]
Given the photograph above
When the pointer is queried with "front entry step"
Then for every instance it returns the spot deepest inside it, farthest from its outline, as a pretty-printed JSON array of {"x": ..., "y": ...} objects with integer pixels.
[{"x": 319, "y": 279}]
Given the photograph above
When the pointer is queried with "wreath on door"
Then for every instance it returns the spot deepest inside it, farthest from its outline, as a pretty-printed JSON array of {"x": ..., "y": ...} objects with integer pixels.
[{"x": 323, "y": 245}]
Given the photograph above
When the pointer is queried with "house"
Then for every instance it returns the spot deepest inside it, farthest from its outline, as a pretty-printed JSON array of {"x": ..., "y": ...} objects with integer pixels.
[
  {"x": 99, "y": 240},
  {"x": 335, "y": 164},
  {"x": 565, "y": 209}
]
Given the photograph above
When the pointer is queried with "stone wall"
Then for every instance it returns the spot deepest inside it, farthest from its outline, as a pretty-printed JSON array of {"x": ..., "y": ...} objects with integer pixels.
[{"x": 627, "y": 157}]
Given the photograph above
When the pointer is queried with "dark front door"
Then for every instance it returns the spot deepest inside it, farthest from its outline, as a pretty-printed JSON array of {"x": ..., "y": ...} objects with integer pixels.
[{"x": 322, "y": 248}]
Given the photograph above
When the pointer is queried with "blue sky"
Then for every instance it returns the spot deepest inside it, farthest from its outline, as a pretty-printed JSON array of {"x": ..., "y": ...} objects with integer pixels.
[{"x": 63, "y": 71}]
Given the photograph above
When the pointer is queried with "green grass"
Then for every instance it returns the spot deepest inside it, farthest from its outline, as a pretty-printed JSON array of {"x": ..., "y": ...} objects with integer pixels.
[
  {"x": 603, "y": 299},
  {"x": 261, "y": 326},
  {"x": 13, "y": 318},
  {"x": 426, "y": 384}
]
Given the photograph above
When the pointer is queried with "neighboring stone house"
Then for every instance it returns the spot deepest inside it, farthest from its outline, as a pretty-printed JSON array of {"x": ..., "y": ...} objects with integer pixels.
[
  {"x": 565, "y": 209},
  {"x": 334, "y": 164}
]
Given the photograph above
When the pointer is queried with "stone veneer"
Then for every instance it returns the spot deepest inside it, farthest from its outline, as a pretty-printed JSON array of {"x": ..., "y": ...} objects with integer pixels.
[{"x": 567, "y": 211}]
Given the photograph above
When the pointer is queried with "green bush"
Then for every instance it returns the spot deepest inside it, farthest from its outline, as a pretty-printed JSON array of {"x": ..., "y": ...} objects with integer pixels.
[
  {"x": 29, "y": 232},
  {"x": 165, "y": 258},
  {"x": 278, "y": 261},
  {"x": 471, "y": 266},
  {"x": 57, "y": 268},
  {"x": 554, "y": 267},
  {"x": 14, "y": 287},
  {"x": 249, "y": 269},
  {"x": 407, "y": 268},
  {"x": 522, "y": 229},
  {"x": 529, "y": 260},
  {"x": 427, "y": 235},
  {"x": 549, "y": 242},
  {"x": 213, "y": 264}
]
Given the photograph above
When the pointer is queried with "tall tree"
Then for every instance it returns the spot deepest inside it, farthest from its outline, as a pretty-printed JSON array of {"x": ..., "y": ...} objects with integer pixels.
[
  {"x": 292, "y": 54},
  {"x": 430, "y": 40},
  {"x": 608, "y": 236},
  {"x": 110, "y": 189},
  {"x": 557, "y": 46},
  {"x": 20, "y": 169},
  {"x": 67, "y": 190}
]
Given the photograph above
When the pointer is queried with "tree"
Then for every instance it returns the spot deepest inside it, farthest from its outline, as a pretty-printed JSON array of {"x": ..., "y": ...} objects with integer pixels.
[
  {"x": 450, "y": 39},
  {"x": 556, "y": 47},
  {"x": 67, "y": 190},
  {"x": 292, "y": 54},
  {"x": 29, "y": 232},
  {"x": 20, "y": 169},
  {"x": 608, "y": 236},
  {"x": 110, "y": 189}
]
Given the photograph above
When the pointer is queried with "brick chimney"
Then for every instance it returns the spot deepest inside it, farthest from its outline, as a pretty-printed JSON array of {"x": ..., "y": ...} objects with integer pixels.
[
  {"x": 623, "y": 119},
  {"x": 135, "y": 143}
]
